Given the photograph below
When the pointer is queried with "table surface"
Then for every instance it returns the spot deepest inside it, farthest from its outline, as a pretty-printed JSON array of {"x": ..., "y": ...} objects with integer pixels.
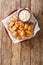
[{"x": 28, "y": 52}]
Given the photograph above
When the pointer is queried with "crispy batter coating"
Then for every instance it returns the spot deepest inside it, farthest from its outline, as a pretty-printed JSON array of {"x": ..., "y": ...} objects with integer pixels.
[
  {"x": 14, "y": 18},
  {"x": 16, "y": 24},
  {"x": 18, "y": 37},
  {"x": 14, "y": 28},
  {"x": 10, "y": 29},
  {"x": 26, "y": 26},
  {"x": 22, "y": 34},
  {"x": 15, "y": 34},
  {"x": 21, "y": 23},
  {"x": 11, "y": 24},
  {"x": 28, "y": 33}
]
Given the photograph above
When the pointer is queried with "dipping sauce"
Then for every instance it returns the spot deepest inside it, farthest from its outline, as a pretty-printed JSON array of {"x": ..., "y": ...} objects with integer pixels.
[{"x": 24, "y": 15}]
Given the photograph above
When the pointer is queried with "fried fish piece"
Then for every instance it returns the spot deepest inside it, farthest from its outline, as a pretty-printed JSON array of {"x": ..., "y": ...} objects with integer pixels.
[
  {"x": 18, "y": 37},
  {"x": 30, "y": 27},
  {"x": 19, "y": 31},
  {"x": 15, "y": 34},
  {"x": 21, "y": 23},
  {"x": 11, "y": 24},
  {"x": 22, "y": 34},
  {"x": 14, "y": 28},
  {"x": 10, "y": 29},
  {"x": 28, "y": 33},
  {"x": 14, "y": 18},
  {"x": 21, "y": 28},
  {"x": 25, "y": 26},
  {"x": 16, "y": 24}
]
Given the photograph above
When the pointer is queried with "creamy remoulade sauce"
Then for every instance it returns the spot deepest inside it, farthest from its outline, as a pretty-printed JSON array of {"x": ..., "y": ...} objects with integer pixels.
[{"x": 24, "y": 15}]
